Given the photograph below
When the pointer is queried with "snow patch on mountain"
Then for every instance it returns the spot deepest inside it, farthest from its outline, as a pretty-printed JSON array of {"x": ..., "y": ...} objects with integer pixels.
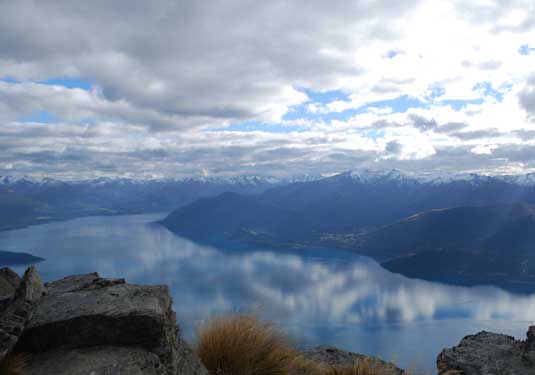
[{"x": 362, "y": 176}]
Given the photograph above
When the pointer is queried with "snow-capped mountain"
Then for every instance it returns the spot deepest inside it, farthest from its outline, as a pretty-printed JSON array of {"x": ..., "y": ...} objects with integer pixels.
[
  {"x": 107, "y": 181},
  {"x": 520, "y": 180},
  {"x": 370, "y": 176},
  {"x": 348, "y": 202},
  {"x": 12, "y": 180},
  {"x": 363, "y": 176},
  {"x": 52, "y": 198}
]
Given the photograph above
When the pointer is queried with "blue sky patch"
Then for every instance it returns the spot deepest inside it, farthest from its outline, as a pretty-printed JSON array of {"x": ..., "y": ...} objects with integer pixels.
[
  {"x": 391, "y": 54},
  {"x": 400, "y": 104},
  {"x": 324, "y": 97},
  {"x": 319, "y": 98},
  {"x": 397, "y": 105},
  {"x": 525, "y": 50},
  {"x": 486, "y": 89},
  {"x": 250, "y": 126},
  {"x": 9, "y": 80},
  {"x": 68, "y": 82},
  {"x": 43, "y": 117},
  {"x": 374, "y": 134},
  {"x": 458, "y": 104},
  {"x": 436, "y": 92}
]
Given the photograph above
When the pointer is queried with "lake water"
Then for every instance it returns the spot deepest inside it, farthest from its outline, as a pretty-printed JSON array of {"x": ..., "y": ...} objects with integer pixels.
[{"x": 319, "y": 296}]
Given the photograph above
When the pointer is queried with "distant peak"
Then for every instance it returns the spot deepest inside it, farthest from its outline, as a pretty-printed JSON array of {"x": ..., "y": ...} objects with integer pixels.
[{"x": 375, "y": 175}]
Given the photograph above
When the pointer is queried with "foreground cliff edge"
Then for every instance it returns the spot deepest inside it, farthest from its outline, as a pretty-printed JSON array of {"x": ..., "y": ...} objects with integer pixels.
[
  {"x": 86, "y": 324},
  {"x": 90, "y": 325}
]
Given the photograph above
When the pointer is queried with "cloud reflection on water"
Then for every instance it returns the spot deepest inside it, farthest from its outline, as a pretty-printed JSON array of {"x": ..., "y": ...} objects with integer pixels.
[{"x": 319, "y": 295}]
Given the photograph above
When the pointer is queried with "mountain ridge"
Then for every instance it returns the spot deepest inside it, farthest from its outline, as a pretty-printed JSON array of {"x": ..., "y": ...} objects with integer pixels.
[
  {"x": 352, "y": 202},
  {"x": 354, "y": 214},
  {"x": 367, "y": 175}
]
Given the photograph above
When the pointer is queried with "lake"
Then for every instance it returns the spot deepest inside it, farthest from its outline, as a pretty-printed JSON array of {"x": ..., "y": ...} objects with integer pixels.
[{"x": 318, "y": 296}]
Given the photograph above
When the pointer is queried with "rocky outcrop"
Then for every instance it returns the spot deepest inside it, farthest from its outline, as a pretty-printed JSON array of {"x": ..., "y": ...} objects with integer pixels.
[
  {"x": 103, "y": 360},
  {"x": 9, "y": 281},
  {"x": 19, "y": 308},
  {"x": 488, "y": 353},
  {"x": 86, "y": 324},
  {"x": 91, "y": 325},
  {"x": 109, "y": 315},
  {"x": 332, "y": 356}
]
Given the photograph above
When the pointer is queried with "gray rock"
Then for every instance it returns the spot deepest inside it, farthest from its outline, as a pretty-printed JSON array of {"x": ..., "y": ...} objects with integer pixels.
[
  {"x": 89, "y": 311},
  {"x": 332, "y": 356},
  {"x": 76, "y": 283},
  {"x": 9, "y": 281},
  {"x": 488, "y": 353},
  {"x": 20, "y": 310},
  {"x": 107, "y": 360}
]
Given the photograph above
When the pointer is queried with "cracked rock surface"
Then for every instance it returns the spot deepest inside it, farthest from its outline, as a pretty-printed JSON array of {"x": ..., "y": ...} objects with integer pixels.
[{"x": 86, "y": 324}]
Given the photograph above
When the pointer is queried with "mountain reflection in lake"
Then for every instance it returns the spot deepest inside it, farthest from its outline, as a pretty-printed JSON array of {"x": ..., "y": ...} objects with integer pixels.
[{"x": 319, "y": 296}]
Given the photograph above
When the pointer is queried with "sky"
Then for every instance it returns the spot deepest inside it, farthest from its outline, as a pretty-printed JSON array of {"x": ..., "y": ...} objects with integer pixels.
[{"x": 149, "y": 89}]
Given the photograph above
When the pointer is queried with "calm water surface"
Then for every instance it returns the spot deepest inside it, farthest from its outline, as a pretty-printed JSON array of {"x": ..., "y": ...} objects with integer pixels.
[{"x": 319, "y": 296}]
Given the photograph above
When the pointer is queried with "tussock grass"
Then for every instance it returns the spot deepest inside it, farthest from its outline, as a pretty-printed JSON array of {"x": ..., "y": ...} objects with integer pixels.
[
  {"x": 14, "y": 364},
  {"x": 304, "y": 366},
  {"x": 243, "y": 345}
]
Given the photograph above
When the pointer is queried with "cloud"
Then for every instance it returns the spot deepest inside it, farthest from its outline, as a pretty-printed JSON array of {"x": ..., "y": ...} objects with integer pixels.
[
  {"x": 483, "y": 149},
  {"x": 181, "y": 88},
  {"x": 526, "y": 97},
  {"x": 232, "y": 61}
]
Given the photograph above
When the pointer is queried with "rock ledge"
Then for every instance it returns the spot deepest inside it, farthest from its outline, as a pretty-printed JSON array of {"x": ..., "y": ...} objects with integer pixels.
[
  {"x": 86, "y": 324},
  {"x": 487, "y": 353}
]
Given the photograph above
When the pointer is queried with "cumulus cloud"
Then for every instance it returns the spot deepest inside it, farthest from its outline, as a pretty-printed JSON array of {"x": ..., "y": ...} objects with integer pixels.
[
  {"x": 526, "y": 97},
  {"x": 182, "y": 88}
]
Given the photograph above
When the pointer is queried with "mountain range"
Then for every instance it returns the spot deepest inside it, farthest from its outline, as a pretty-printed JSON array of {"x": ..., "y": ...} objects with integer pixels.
[
  {"x": 475, "y": 229},
  {"x": 342, "y": 204},
  {"x": 466, "y": 229},
  {"x": 25, "y": 201}
]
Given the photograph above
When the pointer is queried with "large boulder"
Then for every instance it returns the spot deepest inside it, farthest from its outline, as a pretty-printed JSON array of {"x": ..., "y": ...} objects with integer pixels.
[
  {"x": 132, "y": 323},
  {"x": 488, "y": 353},
  {"x": 102, "y": 360}
]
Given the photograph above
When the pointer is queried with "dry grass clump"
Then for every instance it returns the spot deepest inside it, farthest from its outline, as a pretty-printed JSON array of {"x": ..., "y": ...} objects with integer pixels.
[
  {"x": 14, "y": 364},
  {"x": 304, "y": 366},
  {"x": 243, "y": 345}
]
